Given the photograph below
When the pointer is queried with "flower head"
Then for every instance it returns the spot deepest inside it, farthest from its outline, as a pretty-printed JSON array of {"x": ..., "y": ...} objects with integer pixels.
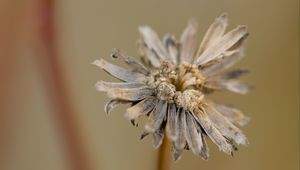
[{"x": 171, "y": 83}]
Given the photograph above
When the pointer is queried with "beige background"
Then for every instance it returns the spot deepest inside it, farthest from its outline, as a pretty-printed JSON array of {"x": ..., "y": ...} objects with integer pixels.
[{"x": 89, "y": 30}]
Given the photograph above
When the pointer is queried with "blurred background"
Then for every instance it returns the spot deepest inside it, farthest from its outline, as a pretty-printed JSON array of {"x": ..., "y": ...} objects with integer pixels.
[{"x": 51, "y": 117}]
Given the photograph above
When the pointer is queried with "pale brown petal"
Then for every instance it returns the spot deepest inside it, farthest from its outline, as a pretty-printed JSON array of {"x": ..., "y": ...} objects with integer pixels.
[
  {"x": 188, "y": 42},
  {"x": 172, "y": 48},
  {"x": 141, "y": 108},
  {"x": 133, "y": 94},
  {"x": 111, "y": 104},
  {"x": 150, "y": 54},
  {"x": 213, "y": 34},
  {"x": 157, "y": 137},
  {"x": 229, "y": 58},
  {"x": 105, "y": 86},
  {"x": 229, "y": 85},
  {"x": 156, "y": 117},
  {"x": 236, "y": 86},
  {"x": 134, "y": 65},
  {"x": 234, "y": 74},
  {"x": 226, "y": 128},
  {"x": 193, "y": 137},
  {"x": 153, "y": 42},
  {"x": 120, "y": 73},
  {"x": 216, "y": 50},
  {"x": 213, "y": 132},
  {"x": 234, "y": 115},
  {"x": 180, "y": 141},
  {"x": 171, "y": 122}
]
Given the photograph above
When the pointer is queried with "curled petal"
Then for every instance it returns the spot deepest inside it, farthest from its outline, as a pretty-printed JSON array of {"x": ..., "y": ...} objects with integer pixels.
[{"x": 111, "y": 104}]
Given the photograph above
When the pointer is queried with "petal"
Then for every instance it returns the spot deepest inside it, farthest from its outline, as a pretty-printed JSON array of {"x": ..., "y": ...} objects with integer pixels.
[
  {"x": 133, "y": 94},
  {"x": 157, "y": 137},
  {"x": 180, "y": 141},
  {"x": 171, "y": 122},
  {"x": 213, "y": 133},
  {"x": 151, "y": 55},
  {"x": 105, "y": 86},
  {"x": 226, "y": 127},
  {"x": 214, "y": 33},
  {"x": 229, "y": 59},
  {"x": 234, "y": 74},
  {"x": 234, "y": 115},
  {"x": 141, "y": 108},
  {"x": 229, "y": 85},
  {"x": 111, "y": 104},
  {"x": 236, "y": 86},
  {"x": 193, "y": 137},
  {"x": 120, "y": 73},
  {"x": 135, "y": 65},
  {"x": 156, "y": 117},
  {"x": 188, "y": 42},
  {"x": 172, "y": 48},
  {"x": 216, "y": 50},
  {"x": 153, "y": 42}
]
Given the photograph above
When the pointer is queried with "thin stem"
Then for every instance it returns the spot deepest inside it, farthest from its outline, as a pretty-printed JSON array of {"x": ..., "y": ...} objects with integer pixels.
[{"x": 164, "y": 156}]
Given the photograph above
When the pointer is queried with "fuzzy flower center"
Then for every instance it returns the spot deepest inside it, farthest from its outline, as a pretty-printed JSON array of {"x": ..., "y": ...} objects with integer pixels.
[{"x": 178, "y": 84}]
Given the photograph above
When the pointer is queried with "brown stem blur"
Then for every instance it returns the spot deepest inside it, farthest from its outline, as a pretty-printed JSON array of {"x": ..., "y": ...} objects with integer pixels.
[{"x": 164, "y": 156}]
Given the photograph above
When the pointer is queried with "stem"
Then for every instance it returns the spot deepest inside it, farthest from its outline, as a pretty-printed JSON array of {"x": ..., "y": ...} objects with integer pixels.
[{"x": 164, "y": 156}]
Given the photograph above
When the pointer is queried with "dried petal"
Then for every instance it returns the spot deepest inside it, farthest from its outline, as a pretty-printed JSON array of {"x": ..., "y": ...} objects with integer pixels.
[
  {"x": 105, "y": 86},
  {"x": 193, "y": 137},
  {"x": 234, "y": 115},
  {"x": 180, "y": 141},
  {"x": 188, "y": 42},
  {"x": 135, "y": 65},
  {"x": 214, "y": 33},
  {"x": 153, "y": 42},
  {"x": 133, "y": 94},
  {"x": 212, "y": 132},
  {"x": 171, "y": 122},
  {"x": 217, "y": 49},
  {"x": 156, "y": 117},
  {"x": 225, "y": 127},
  {"x": 172, "y": 48},
  {"x": 111, "y": 104},
  {"x": 141, "y": 108},
  {"x": 120, "y": 73},
  {"x": 158, "y": 137}
]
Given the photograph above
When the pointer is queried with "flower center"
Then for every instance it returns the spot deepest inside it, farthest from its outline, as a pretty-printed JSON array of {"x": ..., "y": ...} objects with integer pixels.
[{"x": 179, "y": 84}]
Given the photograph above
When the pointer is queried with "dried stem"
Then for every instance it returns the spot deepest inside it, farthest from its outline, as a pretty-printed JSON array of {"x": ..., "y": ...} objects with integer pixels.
[{"x": 164, "y": 156}]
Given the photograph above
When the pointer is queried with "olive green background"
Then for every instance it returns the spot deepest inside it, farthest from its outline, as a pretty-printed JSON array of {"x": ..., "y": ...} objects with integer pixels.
[{"x": 90, "y": 29}]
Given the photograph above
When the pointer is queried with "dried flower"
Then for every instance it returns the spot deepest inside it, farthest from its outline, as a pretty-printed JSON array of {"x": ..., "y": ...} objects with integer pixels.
[{"x": 170, "y": 83}]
